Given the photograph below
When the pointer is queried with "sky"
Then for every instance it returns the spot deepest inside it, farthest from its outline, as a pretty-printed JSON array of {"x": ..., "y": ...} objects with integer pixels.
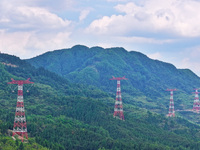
[{"x": 166, "y": 30}]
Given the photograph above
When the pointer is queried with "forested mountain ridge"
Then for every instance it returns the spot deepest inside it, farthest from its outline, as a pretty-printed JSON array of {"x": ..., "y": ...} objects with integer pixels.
[
  {"x": 147, "y": 79},
  {"x": 63, "y": 115}
]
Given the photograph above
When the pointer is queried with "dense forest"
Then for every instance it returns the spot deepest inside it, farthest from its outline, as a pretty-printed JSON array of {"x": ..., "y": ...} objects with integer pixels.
[
  {"x": 65, "y": 114},
  {"x": 147, "y": 79}
]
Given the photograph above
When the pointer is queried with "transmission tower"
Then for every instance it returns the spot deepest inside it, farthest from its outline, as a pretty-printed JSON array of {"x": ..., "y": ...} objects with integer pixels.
[
  {"x": 196, "y": 104},
  {"x": 20, "y": 126},
  {"x": 171, "y": 104},
  {"x": 118, "y": 110}
]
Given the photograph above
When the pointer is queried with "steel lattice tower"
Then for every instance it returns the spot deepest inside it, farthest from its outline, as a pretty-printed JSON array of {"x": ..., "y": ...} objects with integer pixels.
[
  {"x": 171, "y": 104},
  {"x": 20, "y": 126},
  {"x": 196, "y": 104},
  {"x": 118, "y": 110}
]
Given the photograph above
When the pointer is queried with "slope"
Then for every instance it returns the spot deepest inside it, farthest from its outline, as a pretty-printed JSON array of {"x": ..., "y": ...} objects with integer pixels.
[
  {"x": 62, "y": 115},
  {"x": 148, "y": 79}
]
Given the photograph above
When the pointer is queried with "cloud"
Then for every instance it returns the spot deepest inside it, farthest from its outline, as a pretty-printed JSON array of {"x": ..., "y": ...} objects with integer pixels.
[
  {"x": 189, "y": 58},
  {"x": 156, "y": 55},
  {"x": 39, "y": 43},
  {"x": 52, "y": 5},
  {"x": 14, "y": 43},
  {"x": 189, "y": 63},
  {"x": 147, "y": 40},
  {"x": 194, "y": 52},
  {"x": 172, "y": 17},
  {"x": 27, "y": 30},
  {"x": 84, "y": 14},
  {"x": 116, "y": 0},
  {"x": 28, "y": 44},
  {"x": 23, "y": 18}
]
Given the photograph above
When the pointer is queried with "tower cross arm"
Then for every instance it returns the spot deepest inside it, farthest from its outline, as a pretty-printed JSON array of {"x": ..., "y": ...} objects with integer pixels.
[
  {"x": 118, "y": 78},
  {"x": 196, "y": 91},
  {"x": 172, "y": 90},
  {"x": 20, "y": 81}
]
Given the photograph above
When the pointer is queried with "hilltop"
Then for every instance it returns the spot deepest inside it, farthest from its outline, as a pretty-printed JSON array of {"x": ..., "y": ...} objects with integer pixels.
[
  {"x": 147, "y": 81},
  {"x": 62, "y": 114}
]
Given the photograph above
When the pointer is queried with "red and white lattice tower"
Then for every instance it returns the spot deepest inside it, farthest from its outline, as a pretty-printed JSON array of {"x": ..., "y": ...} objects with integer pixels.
[
  {"x": 118, "y": 110},
  {"x": 196, "y": 105},
  {"x": 20, "y": 126},
  {"x": 171, "y": 104}
]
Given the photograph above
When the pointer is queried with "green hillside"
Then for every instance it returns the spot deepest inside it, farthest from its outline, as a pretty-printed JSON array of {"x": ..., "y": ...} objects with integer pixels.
[
  {"x": 64, "y": 115},
  {"x": 147, "y": 79}
]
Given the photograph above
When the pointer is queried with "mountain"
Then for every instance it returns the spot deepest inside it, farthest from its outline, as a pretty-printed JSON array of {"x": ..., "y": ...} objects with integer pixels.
[
  {"x": 147, "y": 79},
  {"x": 64, "y": 115}
]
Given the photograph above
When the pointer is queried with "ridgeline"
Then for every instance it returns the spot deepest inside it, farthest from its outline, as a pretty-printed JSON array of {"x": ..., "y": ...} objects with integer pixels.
[{"x": 71, "y": 107}]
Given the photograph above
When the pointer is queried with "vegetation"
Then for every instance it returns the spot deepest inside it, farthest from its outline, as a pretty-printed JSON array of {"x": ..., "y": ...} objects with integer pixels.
[
  {"x": 7, "y": 143},
  {"x": 63, "y": 115},
  {"x": 147, "y": 79}
]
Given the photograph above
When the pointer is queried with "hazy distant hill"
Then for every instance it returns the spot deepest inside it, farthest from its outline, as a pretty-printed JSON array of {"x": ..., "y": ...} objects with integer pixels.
[{"x": 147, "y": 79}]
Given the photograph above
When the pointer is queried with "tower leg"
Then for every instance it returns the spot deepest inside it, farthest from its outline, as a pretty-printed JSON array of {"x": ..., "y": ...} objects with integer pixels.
[
  {"x": 171, "y": 104},
  {"x": 20, "y": 126},
  {"x": 118, "y": 110}
]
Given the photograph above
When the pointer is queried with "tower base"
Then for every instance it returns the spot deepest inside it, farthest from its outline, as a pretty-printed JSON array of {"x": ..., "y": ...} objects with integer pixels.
[{"x": 20, "y": 135}]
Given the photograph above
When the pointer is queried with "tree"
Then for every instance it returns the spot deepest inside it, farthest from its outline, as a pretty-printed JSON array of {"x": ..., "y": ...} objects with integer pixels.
[
  {"x": 21, "y": 146},
  {"x": 17, "y": 142}
]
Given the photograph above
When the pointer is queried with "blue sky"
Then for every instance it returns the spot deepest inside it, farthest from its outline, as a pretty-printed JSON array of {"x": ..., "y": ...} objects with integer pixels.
[{"x": 165, "y": 30}]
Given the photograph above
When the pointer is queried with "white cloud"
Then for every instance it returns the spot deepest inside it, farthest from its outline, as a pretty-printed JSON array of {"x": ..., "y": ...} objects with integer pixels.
[
  {"x": 29, "y": 44},
  {"x": 194, "y": 52},
  {"x": 151, "y": 16},
  {"x": 52, "y": 5},
  {"x": 116, "y": 0},
  {"x": 135, "y": 39},
  {"x": 27, "y": 30},
  {"x": 39, "y": 43},
  {"x": 109, "y": 25},
  {"x": 14, "y": 43},
  {"x": 156, "y": 55},
  {"x": 189, "y": 63},
  {"x": 189, "y": 58},
  {"x": 84, "y": 14},
  {"x": 24, "y": 17}
]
